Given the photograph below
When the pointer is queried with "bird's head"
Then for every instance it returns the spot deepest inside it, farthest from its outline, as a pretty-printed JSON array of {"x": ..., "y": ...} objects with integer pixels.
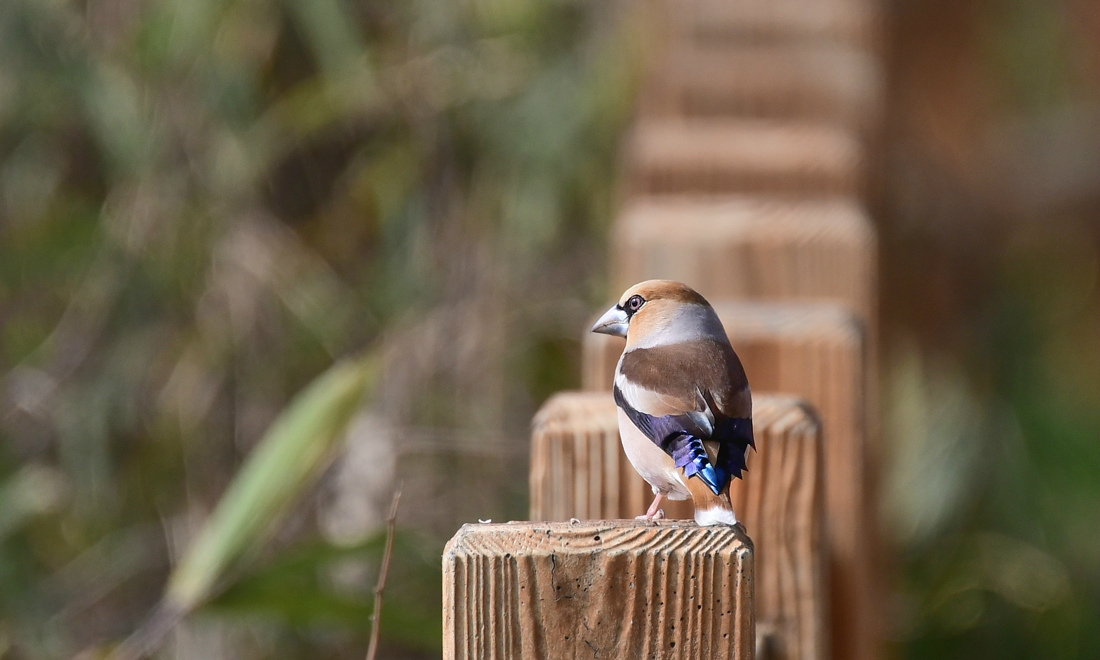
[{"x": 659, "y": 312}]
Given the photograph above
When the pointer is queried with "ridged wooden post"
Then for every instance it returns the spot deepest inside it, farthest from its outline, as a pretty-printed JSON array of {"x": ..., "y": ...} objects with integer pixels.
[
  {"x": 830, "y": 83},
  {"x": 749, "y": 248},
  {"x": 704, "y": 156},
  {"x": 855, "y": 22},
  {"x": 598, "y": 589},
  {"x": 578, "y": 470}
]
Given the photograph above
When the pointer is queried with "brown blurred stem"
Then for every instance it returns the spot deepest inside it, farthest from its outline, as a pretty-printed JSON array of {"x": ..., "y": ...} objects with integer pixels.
[
  {"x": 376, "y": 615},
  {"x": 150, "y": 634}
]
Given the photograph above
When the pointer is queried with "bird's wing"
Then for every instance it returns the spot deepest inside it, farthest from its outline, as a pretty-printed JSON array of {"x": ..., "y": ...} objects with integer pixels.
[
  {"x": 662, "y": 415},
  {"x": 684, "y": 394}
]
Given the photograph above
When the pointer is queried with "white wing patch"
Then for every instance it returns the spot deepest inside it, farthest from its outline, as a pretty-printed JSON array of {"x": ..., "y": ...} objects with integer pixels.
[
  {"x": 656, "y": 404},
  {"x": 648, "y": 401}
]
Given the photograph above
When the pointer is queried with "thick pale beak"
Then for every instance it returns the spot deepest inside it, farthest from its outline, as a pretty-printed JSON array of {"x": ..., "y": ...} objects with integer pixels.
[{"x": 613, "y": 322}]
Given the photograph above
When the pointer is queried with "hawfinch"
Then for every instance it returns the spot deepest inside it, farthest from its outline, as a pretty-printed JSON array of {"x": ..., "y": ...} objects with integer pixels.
[{"x": 685, "y": 412}]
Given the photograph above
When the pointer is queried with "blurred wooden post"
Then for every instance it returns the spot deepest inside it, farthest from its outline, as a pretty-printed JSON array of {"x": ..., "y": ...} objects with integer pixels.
[
  {"x": 578, "y": 470},
  {"x": 740, "y": 178},
  {"x": 577, "y": 467},
  {"x": 603, "y": 589},
  {"x": 829, "y": 83},
  {"x": 854, "y": 22},
  {"x": 708, "y": 156},
  {"x": 751, "y": 248}
]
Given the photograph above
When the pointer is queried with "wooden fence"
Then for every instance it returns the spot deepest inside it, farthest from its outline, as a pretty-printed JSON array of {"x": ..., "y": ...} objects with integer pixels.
[{"x": 743, "y": 177}]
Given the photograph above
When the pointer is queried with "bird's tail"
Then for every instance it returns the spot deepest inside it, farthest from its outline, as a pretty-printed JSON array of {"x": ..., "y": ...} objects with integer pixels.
[
  {"x": 711, "y": 509},
  {"x": 689, "y": 453}
]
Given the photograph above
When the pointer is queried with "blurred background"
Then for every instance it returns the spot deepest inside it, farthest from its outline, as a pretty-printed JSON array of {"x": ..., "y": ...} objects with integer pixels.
[{"x": 205, "y": 204}]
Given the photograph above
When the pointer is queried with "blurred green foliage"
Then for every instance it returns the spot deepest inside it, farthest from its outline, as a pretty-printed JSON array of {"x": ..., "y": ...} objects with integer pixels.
[
  {"x": 287, "y": 460},
  {"x": 202, "y": 205},
  {"x": 296, "y": 590}
]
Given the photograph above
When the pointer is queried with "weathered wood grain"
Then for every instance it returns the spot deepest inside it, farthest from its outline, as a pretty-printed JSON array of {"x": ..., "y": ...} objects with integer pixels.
[
  {"x": 598, "y": 589},
  {"x": 723, "y": 156},
  {"x": 581, "y": 472},
  {"x": 780, "y": 501}
]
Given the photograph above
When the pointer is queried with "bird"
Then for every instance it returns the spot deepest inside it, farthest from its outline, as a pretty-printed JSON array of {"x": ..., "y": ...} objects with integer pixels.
[{"x": 685, "y": 408}]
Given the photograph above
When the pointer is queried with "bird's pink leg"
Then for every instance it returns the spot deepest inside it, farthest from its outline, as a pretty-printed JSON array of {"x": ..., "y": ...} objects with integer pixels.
[{"x": 653, "y": 513}]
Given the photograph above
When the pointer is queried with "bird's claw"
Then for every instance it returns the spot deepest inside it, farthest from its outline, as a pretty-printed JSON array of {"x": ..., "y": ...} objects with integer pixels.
[{"x": 656, "y": 516}]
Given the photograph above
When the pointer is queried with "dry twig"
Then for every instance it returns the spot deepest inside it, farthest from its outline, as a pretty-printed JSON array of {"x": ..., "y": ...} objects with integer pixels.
[{"x": 384, "y": 569}]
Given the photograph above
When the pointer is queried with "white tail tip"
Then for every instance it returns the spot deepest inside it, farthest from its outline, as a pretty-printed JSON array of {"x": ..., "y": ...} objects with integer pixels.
[{"x": 715, "y": 516}]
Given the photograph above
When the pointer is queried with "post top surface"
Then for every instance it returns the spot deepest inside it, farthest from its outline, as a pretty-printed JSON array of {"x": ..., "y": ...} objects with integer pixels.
[{"x": 632, "y": 536}]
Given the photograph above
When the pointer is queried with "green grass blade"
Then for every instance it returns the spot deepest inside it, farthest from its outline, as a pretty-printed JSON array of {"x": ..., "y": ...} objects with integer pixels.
[{"x": 289, "y": 457}]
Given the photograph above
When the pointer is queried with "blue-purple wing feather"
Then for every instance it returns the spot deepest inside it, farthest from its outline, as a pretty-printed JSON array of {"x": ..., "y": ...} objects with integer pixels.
[{"x": 682, "y": 436}]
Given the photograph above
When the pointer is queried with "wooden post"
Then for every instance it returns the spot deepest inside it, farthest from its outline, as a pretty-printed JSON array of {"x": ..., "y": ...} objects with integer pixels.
[
  {"x": 823, "y": 82},
  {"x": 751, "y": 249},
  {"x": 856, "y": 22},
  {"x": 715, "y": 156},
  {"x": 598, "y": 589},
  {"x": 578, "y": 469}
]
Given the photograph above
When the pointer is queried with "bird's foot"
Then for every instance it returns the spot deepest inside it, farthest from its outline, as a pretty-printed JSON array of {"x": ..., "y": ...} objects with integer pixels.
[{"x": 653, "y": 513}]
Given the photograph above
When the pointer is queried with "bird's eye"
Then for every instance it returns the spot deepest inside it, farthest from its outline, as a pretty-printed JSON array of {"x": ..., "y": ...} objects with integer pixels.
[{"x": 634, "y": 304}]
